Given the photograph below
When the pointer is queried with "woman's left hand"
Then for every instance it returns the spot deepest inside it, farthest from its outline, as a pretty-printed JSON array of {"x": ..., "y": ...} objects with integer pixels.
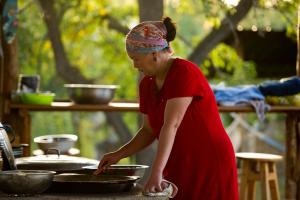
[{"x": 155, "y": 183}]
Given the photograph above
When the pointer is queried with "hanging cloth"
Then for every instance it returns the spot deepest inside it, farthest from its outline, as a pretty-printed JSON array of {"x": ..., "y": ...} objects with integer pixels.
[{"x": 10, "y": 22}]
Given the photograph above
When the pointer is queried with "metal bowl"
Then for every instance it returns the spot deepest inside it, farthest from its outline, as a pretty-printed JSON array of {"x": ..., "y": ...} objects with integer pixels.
[
  {"x": 25, "y": 182},
  {"x": 61, "y": 142},
  {"x": 91, "y": 94}
]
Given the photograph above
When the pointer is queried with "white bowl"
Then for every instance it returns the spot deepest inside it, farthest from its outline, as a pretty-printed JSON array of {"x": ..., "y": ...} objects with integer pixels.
[{"x": 61, "y": 142}]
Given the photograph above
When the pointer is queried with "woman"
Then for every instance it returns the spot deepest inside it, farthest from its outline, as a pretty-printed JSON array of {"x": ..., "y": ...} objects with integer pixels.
[{"x": 194, "y": 151}]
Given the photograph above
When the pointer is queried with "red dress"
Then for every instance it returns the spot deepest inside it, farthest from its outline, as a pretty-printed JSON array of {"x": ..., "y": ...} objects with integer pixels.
[{"x": 202, "y": 161}]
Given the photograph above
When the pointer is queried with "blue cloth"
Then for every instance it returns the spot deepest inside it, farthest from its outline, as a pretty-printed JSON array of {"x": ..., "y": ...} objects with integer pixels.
[
  {"x": 287, "y": 87},
  {"x": 247, "y": 95},
  {"x": 237, "y": 94}
]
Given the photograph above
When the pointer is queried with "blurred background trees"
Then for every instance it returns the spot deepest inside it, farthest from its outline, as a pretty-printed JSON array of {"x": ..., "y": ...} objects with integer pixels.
[{"x": 83, "y": 42}]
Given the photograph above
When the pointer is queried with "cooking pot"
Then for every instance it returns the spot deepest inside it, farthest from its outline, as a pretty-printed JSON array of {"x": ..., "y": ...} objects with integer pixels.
[
  {"x": 58, "y": 163},
  {"x": 84, "y": 183},
  {"x": 25, "y": 182}
]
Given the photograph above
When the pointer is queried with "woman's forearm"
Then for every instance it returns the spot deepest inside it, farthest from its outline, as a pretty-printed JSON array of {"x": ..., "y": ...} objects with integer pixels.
[
  {"x": 142, "y": 139},
  {"x": 165, "y": 145},
  {"x": 174, "y": 113}
]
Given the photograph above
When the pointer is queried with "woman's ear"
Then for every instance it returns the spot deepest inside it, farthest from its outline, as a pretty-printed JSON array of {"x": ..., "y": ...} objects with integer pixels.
[{"x": 170, "y": 51}]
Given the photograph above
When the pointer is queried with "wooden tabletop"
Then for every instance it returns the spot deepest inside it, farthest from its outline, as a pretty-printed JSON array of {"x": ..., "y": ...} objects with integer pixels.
[
  {"x": 131, "y": 107},
  {"x": 70, "y": 106},
  {"x": 258, "y": 156}
]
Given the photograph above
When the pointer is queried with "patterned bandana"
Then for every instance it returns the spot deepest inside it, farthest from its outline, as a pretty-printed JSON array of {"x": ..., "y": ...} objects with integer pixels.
[{"x": 147, "y": 37}]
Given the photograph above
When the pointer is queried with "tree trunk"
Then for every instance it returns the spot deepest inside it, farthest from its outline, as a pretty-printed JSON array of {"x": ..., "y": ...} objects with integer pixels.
[
  {"x": 150, "y": 10},
  {"x": 218, "y": 35}
]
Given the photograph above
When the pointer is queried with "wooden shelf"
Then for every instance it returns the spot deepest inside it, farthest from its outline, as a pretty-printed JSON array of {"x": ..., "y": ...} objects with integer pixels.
[
  {"x": 274, "y": 109},
  {"x": 69, "y": 106},
  {"x": 131, "y": 107}
]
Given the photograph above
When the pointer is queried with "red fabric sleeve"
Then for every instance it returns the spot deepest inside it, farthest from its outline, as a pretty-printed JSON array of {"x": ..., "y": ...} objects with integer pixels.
[
  {"x": 143, "y": 95},
  {"x": 186, "y": 80}
]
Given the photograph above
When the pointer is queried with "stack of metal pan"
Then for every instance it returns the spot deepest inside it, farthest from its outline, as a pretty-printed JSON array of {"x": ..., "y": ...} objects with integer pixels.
[{"x": 115, "y": 179}]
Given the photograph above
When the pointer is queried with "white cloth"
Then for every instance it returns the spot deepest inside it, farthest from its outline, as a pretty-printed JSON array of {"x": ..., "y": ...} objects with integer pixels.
[{"x": 170, "y": 191}]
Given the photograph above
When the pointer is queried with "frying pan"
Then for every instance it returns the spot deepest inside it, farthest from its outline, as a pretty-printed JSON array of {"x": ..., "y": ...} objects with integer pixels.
[
  {"x": 118, "y": 169},
  {"x": 86, "y": 183}
]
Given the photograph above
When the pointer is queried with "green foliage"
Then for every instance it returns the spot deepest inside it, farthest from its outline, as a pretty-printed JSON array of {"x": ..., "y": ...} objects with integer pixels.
[{"x": 230, "y": 66}]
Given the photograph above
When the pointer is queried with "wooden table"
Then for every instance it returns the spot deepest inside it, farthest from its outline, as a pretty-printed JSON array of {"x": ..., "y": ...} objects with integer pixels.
[
  {"x": 134, "y": 193},
  {"x": 292, "y": 157}
]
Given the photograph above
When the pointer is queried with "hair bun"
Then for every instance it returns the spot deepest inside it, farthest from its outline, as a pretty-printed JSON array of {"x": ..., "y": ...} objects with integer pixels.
[{"x": 171, "y": 29}]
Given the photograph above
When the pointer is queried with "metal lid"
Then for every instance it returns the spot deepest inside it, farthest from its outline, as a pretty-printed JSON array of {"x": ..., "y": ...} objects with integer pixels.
[{"x": 53, "y": 162}]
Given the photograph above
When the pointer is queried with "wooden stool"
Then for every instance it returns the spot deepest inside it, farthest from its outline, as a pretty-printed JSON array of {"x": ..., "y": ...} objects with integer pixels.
[{"x": 259, "y": 167}]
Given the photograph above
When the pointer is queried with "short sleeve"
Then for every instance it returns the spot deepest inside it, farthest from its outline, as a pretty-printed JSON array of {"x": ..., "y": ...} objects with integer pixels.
[
  {"x": 143, "y": 95},
  {"x": 186, "y": 80}
]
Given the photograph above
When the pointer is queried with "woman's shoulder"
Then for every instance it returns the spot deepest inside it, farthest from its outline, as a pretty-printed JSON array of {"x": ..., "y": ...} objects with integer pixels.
[
  {"x": 182, "y": 65},
  {"x": 183, "y": 61}
]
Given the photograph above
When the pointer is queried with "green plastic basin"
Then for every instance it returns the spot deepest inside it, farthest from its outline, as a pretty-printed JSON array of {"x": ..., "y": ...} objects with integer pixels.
[{"x": 45, "y": 98}]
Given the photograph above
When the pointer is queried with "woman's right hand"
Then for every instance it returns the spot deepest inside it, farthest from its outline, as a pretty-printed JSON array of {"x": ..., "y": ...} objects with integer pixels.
[{"x": 107, "y": 160}]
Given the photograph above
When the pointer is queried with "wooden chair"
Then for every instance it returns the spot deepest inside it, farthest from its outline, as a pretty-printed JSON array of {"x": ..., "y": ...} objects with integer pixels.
[{"x": 258, "y": 167}]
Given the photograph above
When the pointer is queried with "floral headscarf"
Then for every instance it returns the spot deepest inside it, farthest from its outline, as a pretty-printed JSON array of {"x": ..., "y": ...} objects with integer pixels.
[{"x": 147, "y": 37}]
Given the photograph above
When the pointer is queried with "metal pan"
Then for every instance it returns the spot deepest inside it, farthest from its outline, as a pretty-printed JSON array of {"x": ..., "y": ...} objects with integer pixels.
[
  {"x": 118, "y": 170},
  {"x": 83, "y": 183},
  {"x": 58, "y": 163}
]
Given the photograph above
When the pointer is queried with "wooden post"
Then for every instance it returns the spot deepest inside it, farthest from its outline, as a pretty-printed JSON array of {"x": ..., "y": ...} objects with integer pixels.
[
  {"x": 1, "y": 68},
  {"x": 292, "y": 169},
  {"x": 8, "y": 69},
  {"x": 298, "y": 43},
  {"x": 8, "y": 79}
]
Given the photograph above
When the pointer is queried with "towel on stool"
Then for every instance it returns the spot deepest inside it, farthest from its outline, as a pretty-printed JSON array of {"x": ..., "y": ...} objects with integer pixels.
[{"x": 170, "y": 191}]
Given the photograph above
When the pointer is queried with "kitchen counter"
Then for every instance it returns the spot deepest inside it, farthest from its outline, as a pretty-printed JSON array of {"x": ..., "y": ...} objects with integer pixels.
[{"x": 135, "y": 193}]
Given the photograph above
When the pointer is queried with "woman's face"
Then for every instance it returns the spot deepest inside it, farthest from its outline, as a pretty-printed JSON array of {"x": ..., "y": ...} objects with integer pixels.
[{"x": 143, "y": 62}]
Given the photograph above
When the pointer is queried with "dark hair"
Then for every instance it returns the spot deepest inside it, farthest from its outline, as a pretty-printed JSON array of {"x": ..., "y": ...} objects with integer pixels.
[{"x": 171, "y": 29}]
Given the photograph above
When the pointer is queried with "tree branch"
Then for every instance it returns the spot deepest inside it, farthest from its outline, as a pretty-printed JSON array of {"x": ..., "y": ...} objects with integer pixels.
[
  {"x": 217, "y": 35},
  {"x": 69, "y": 73},
  {"x": 114, "y": 24}
]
